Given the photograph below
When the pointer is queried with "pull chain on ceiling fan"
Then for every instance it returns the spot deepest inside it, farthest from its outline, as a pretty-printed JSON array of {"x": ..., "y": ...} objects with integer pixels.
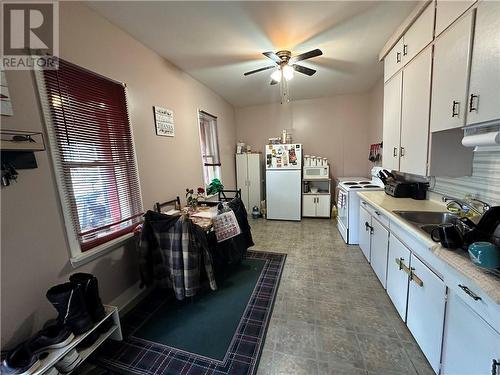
[{"x": 285, "y": 66}]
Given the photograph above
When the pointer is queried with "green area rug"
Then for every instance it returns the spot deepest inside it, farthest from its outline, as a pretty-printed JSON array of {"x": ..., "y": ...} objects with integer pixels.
[
  {"x": 206, "y": 324},
  {"x": 218, "y": 332}
]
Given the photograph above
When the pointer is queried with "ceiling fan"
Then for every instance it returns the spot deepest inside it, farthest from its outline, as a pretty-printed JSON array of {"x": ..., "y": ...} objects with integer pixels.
[{"x": 286, "y": 64}]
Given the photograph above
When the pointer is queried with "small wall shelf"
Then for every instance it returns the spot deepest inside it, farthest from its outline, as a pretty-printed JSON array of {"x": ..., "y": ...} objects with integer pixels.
[
  {"x": 114, "y": 333},
  {"x": 20, "y": 140}
]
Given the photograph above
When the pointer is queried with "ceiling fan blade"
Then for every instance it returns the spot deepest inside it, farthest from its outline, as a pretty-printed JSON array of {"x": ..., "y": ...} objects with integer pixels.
[
  {"x": 304, "y": 70},
  {"x": 273, "y": 82},
  {"x": 259, "y": 70},
  {"x": 273, "y": 57},
  {"x": 306, "y": 55}
]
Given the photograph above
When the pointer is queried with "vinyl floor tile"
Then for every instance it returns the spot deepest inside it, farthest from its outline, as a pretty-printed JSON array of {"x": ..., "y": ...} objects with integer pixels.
[{"x": 332, "y": 315}]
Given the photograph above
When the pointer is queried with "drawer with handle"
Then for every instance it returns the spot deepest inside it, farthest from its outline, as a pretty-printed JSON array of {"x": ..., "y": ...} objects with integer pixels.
[
  {"x": 477, "y": 300},
  {"x": 375, "y": 213}
]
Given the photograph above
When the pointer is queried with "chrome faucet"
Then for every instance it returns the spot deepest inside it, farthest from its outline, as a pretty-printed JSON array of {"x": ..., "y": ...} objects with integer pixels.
[{"x": 467, "y": 204}]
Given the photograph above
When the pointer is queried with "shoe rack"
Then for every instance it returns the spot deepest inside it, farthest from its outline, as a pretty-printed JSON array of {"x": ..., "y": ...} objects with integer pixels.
[{"x": 51, "y": 357}]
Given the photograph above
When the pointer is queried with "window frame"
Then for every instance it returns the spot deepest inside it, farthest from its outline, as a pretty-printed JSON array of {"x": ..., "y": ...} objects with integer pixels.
[
  {"x": 77, "y": 256},
  {"x": 215, "y": 166}
]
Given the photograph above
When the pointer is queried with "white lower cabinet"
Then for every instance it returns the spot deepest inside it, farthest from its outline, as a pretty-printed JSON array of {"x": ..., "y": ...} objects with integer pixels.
[
  {"x": 467, "y": 342},
  {"x": 323, "y": 205},
  {"x": 470, "y": 345},
  {"x": 397, "y": 276},
  {"x": 378, "y": 250},
  {"x": 364, "y": 235},
  {"x": 316, "y": 205},
  {"x": 308, "y": 205},
  {"x": 426, "y": 308}
]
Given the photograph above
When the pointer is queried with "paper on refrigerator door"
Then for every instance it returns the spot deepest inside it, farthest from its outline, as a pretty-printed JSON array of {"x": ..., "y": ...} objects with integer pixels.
[{"x": 283, "y": 156}]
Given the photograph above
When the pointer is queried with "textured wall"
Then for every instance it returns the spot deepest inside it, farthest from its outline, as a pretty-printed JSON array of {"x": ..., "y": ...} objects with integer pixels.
[
  {"x": 484, "y": 182},
  {"x": 339, "y": 128}
]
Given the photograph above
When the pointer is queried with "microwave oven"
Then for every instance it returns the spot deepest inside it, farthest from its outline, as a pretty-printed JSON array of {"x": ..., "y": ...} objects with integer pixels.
[{"x": 316, "y": 172}]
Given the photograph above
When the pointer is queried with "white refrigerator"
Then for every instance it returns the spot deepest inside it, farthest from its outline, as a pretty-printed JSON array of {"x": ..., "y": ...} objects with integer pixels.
[{"x": 283, "y": 181}]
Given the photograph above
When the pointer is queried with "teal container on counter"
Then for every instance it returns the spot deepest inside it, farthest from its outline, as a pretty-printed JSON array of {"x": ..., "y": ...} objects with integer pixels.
[{"x": 485, "y": 255}]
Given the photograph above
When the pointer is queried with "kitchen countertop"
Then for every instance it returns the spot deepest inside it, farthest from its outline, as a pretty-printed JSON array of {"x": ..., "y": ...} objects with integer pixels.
[{"x": 489, "y": 283}]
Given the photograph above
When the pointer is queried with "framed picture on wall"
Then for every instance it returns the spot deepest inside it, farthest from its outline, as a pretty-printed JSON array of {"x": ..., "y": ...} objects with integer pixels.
[{"x": 164, "y": 121}]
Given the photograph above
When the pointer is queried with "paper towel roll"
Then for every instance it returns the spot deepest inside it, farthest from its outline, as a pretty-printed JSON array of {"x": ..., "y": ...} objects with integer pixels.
[{"x": 484, "y": 139}]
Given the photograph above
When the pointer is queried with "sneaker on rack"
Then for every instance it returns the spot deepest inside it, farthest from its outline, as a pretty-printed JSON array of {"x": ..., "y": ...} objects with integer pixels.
[
  {"x": 52, "y": 337},
  {"x": 52, "y": 371},
  {"x": 20, "y": 361},
  {"x": 69, "y": 362}
]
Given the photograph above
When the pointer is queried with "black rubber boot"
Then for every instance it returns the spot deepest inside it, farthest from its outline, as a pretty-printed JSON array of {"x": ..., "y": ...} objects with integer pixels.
[
  {"x": 90, "y": 291},
  {"x": 68, "y": 300}
]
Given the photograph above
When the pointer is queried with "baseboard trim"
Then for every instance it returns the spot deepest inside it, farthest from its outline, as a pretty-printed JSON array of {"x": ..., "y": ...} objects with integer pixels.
[{"x": 130, "y": 298}]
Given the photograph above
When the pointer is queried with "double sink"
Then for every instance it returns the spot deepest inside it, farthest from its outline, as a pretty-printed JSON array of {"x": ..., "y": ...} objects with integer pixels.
[{"x": 427, "y": 220}]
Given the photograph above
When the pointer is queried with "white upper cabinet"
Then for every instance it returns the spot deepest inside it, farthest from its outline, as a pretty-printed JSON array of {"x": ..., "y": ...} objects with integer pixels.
[
  {"x": 484, "y": 90},
  {"x": 419, "y": 35},
  {"x": 448, "y": 11},
  {"x": 394, "y": 60},
  {"x": 392, "y": 122},
  {"x": 449, "y": 79},
  {"x": 415, "y": 114}
]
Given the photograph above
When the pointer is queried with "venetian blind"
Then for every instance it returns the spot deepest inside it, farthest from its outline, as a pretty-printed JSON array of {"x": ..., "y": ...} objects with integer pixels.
[{"x": 94, "y": 153}]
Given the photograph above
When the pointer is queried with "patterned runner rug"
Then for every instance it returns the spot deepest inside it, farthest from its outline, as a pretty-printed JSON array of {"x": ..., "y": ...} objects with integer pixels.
[{"x": 156, "y": 342}]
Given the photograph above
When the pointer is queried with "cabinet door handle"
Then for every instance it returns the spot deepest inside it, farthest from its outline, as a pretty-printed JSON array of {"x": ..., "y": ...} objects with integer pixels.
[
  {"x": 368, "y": 226},
  {"x": 494, "y": 367},
  {"x": 471, "y": 102},
  {"x": 377, "y": 213},
  {"x": 469, "y": 292},
  {"x": 413, "y": 277},
  {"x": 402, "y": 151},
  {"x": 395, "y": 152},
  {"x": 455, "y": 109},
  {"x": 398, "y": 57},
  {"x": 402, "y": 266},
  {"x": 405, "y": 49},
  {"x": 363, "y": 203}
]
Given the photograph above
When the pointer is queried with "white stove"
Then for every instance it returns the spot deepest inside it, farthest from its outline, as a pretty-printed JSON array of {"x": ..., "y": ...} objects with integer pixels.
[{"x": 348, "y": 203}]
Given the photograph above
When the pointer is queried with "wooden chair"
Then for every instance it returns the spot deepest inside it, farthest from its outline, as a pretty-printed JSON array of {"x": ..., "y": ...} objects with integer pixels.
[
  {"x": 233, "y": 194},
  {"x": 176, "y": 203}
]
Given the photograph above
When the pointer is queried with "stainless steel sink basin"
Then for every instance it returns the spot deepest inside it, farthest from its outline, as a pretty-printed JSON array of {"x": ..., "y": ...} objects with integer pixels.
[
  {"x": 427, "y": 217},
  {"x": 427, "y": 220}
]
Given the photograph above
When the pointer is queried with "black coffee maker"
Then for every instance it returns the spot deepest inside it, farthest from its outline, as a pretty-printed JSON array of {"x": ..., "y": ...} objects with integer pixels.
[{"x": 419, "y": 190}]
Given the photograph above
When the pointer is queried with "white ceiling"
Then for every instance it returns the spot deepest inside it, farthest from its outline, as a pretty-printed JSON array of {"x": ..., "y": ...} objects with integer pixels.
[{"x": 216, "y": 42}]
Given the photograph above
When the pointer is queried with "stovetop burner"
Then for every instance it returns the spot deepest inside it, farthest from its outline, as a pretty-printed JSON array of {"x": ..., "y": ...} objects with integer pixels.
[
  {"x": 355, "y": 187},
  {"x": 371, "y": 186},
  {"x": 349, "y": 183},
  {"x": 363, "y": 182}
]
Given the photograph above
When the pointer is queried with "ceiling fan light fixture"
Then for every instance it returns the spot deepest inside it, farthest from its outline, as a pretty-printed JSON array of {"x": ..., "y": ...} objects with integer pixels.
[
  {"x": 276, "y": 75},
  {"x": 288, "y": 72}
]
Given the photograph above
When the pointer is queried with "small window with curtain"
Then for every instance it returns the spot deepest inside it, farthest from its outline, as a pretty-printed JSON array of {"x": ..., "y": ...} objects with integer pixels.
[
  {"x": 209, "y": 142},
  {"x": 92, "y": 148}
]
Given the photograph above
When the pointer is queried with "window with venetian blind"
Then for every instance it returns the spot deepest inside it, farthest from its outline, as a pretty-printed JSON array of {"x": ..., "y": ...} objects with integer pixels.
[
  {"x": 209, "y": 147},
  {"x": 91, "y": 141}
]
